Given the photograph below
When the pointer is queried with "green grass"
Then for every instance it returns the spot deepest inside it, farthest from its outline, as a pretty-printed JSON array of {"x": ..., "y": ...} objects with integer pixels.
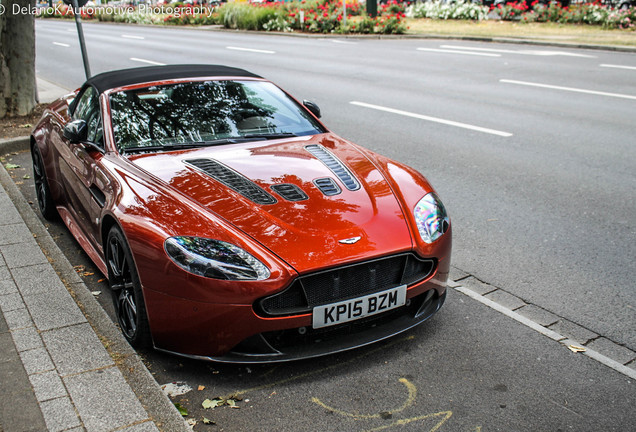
[{"x": 548, "y": 32}]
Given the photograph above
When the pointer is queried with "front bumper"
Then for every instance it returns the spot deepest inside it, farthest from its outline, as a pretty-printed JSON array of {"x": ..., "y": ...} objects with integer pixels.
[{"x": 235, "y": 334}]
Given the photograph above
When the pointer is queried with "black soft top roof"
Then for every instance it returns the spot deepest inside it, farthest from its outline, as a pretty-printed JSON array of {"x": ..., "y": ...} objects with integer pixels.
[{"x": 118, "y": 78}]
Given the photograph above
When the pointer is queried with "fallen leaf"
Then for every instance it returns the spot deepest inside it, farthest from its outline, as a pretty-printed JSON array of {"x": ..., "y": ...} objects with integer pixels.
[
  {"x": 87, "y": 274},
  {"x": 208, "y": 421},
  {"x": 232, "y": 403},
  {"x": 201, "y": 387},
  {"x": 576, "y": 348},
  {"x": 182, "y": 410},
  {"x": 26, "y": 125},
  {"x": 96, "y": 293},
  {"x": 192, "y": 422},
  {"x": 101, "y": 280},
  {"x": 207, "y": 404},
  {"x": 26, "y": 177},
  {"x": 11, "y": 166}
]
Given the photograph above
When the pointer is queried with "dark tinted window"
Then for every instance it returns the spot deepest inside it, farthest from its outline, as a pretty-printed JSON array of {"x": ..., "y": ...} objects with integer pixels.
[
  {"x": 205, "y": 111},
  {"x": 87, "y": 109}
]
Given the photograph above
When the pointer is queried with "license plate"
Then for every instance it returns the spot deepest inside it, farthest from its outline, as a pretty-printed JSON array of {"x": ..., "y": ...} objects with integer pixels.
[{"x": 360, "y": 307}]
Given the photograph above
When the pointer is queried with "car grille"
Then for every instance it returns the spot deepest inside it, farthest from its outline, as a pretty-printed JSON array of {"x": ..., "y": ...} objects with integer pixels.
[
  {"x": 346, "y": 282},
  {"x": 233, "y": 180},
  {"x": 334, "y": 164}
]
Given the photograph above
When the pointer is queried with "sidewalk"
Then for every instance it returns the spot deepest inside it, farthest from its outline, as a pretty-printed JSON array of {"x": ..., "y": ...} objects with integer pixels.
[{"x": 64, "y": 366}]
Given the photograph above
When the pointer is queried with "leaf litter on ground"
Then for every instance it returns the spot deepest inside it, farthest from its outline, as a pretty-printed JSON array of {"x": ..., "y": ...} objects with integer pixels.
[{"x": 219, "y": 401}]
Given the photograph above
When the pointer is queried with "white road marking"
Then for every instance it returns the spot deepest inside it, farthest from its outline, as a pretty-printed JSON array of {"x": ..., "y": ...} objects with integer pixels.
[
  {"x": 613, "y": 364},
  {"x": 432, "y": 119},
  {"x": 132, "y": 37},
  {"x": 618, "y": 66},
  {"x": 147, "y": 61},
  {"x": 570, "y": 89},
  {"x": 522, "y": 52},
  {"x": 251, "y": 50},
  {"x": 459, "y": 52},
  {"x": 61, "y": 44},
  {"x": 343, "y": 42}
]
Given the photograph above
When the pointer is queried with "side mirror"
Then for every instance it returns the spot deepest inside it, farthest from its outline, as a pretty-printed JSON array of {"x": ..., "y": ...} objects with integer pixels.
[
  {"x": 76, "y": 131},
  {"x": 312, "y": 107}
]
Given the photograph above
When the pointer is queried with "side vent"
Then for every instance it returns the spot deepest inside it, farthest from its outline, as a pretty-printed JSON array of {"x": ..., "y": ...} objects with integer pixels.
[
  {"x": 290, "y": 192},
  {"x": 334, "y": 164},
  {"x": 233, "y": 180},
  {"x": 327, "y": 186}
]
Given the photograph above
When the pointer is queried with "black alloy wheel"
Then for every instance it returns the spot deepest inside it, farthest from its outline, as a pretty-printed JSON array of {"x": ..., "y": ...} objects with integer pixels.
[
  {"x": 126, "y": 290},
  {"x": 42, "y": 191}
]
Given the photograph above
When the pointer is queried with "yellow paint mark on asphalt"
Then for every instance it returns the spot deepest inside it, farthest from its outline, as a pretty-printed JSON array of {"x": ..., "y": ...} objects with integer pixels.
[
  {"x": 410, "y": 399},
  {"x": 444, "y": 414}
]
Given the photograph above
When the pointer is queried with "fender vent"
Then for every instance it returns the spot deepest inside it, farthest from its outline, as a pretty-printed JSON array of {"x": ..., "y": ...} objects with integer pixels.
[
  {"x": 290, "y": 192},
  {"x": 233, "y": 180},
  {"x": 334, "y": 164},
  {"x": 327, "y": 186}
]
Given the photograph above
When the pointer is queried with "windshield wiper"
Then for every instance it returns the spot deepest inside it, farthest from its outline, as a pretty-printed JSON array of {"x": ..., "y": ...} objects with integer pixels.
[
  {"x": 270, "y": 135},
  {"x": 180, "y": 146}
]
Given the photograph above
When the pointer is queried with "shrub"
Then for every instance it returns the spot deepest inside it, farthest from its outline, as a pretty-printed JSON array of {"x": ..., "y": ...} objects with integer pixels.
[
  {"x": 248, "y": 17},
  {"x": 461, "y": 9}
]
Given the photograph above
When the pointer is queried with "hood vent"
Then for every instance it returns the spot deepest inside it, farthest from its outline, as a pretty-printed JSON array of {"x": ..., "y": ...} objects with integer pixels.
[
  {"x": 233, "y": 180},
  {"x": 334, "y": 164},
  {"x": 327, "y": 186},
  {"x": 290, "y": 192}
]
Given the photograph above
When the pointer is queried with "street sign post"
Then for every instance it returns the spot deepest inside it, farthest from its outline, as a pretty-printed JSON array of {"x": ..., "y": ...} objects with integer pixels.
[{"x": 77, "y": 4}]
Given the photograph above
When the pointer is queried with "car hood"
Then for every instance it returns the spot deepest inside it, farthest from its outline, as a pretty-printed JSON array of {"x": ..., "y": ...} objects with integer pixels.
[{"x": 308, "y": 230}]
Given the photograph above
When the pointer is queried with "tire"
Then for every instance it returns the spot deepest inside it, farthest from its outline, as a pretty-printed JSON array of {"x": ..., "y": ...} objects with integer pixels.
[
  {"x": 125, "y": 288},
  {"x": 42, "y": 190}
]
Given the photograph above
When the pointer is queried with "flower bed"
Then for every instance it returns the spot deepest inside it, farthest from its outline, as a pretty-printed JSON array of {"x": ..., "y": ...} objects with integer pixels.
[
  {"x": 579, "y": 13},
  {"x": 329, "y": 16}
]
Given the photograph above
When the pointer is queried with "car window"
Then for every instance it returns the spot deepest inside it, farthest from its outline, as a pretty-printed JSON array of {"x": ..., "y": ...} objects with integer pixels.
[
  {"x": 87, "y": 109},
  {"x": 205, "y": 111}
]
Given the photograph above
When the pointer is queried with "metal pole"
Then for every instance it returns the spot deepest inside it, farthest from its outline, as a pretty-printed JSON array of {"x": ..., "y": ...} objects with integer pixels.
[
  {"x": 344, "y": 13},
  {"x": 80, "y": 33}
]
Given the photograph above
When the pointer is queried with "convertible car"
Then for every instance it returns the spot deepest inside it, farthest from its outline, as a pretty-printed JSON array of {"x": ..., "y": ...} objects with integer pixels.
[{"x": 232, "y": 225}]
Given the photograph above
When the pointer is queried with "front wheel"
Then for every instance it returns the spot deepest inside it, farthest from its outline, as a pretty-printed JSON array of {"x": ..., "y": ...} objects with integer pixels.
[
  {"x": 126, "y": 290},
  {"x": 42, "y": 191}
]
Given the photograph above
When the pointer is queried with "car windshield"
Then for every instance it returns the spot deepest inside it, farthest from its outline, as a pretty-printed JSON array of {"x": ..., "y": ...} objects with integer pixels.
[{"x": 192, "y": 114}]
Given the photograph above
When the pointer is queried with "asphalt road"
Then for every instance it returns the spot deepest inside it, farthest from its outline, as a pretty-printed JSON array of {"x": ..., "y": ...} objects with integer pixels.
[{"x": 532, "y": 151}]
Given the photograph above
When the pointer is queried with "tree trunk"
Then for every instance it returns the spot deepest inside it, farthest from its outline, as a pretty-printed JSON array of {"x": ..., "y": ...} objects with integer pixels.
[{"x": 17, "y": 57}]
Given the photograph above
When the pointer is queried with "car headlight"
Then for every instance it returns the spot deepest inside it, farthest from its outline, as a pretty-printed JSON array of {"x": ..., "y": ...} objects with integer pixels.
[
  {"x": 214, "y": 259},
  {"x": 431, "y": 218}
]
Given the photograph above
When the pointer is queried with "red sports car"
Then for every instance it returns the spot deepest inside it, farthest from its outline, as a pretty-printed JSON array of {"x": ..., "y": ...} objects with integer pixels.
[{"x": 231, "y": 223}]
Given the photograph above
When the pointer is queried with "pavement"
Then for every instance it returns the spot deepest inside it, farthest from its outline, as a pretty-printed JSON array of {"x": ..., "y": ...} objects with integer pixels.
[{"x": 64, "y": 365}]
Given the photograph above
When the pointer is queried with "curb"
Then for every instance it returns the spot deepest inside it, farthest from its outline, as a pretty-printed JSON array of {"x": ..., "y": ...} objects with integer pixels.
[{"x": 146, "y": 389}]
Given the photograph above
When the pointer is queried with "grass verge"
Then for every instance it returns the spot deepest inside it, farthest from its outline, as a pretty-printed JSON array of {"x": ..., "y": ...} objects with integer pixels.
[{"x": 548, "y": 32}]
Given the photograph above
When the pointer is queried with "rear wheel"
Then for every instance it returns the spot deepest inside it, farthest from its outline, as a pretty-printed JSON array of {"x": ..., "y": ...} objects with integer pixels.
[
  {"x": 42, "y": 191},
  {"x": 126, "y": 290}
]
